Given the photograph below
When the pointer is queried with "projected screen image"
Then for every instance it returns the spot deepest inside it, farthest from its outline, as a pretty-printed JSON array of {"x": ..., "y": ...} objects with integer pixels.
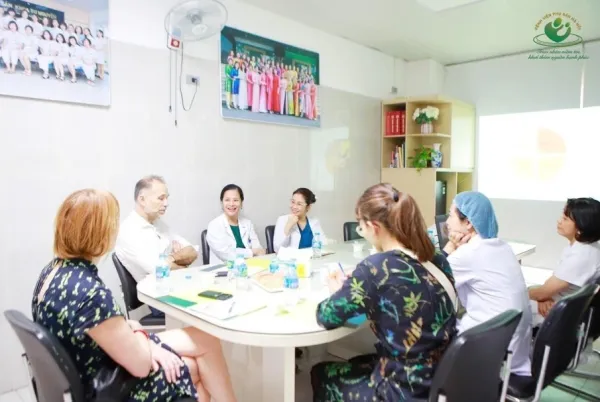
[{"x": 550, "y": 155}]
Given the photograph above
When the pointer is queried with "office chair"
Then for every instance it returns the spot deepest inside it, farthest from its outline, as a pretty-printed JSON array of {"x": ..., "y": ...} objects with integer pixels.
[
  {"x": 442, "y": 230},
  {"x": 205, "y": 248},
  {"x": 350, "y": 231},
  {"x": 53, "y": 373},
  {"x": 270, "y": 236},
  {"x": 470, "y": 368},
  {"x": 129, "y": 291},
  {"x": 556, "y": 344},
  {"x": 592, "y": 332}
]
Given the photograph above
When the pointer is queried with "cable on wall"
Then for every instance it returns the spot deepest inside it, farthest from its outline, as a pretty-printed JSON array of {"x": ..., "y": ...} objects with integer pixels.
[{"x": 187, "y": 109}]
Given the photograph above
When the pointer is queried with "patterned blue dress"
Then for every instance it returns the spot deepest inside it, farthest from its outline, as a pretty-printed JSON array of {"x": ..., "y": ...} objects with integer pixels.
[
  {"x": 413, "y": 319},
  {"x": 76, "y": 301}
]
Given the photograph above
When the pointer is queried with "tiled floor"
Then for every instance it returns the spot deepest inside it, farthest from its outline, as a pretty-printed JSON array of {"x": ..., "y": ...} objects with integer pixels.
[
  {"x": 303, "y": 391},
  {"x": 304, "y": 394}
]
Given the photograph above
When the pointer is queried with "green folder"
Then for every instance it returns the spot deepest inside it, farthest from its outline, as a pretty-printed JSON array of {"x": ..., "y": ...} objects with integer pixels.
[{"x": 176, "y": 301}]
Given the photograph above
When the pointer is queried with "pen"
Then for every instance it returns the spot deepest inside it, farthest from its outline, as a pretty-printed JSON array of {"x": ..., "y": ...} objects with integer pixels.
[
  {"x": 231, "y": 308},
  {"x": 341, "y": 268}
]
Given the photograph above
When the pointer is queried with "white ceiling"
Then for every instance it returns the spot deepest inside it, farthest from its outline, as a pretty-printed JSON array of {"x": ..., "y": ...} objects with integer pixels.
[{"x": 411, "y": 31}]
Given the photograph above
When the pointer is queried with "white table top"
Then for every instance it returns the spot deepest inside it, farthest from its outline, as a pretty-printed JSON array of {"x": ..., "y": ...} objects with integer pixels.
[{"x": 266, "y": 327}]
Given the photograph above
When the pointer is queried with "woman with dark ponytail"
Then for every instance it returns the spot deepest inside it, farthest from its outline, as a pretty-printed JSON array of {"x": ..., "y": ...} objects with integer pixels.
[
  {"x": 406, "y": 290},
  {"x": 295, "y": 229}
]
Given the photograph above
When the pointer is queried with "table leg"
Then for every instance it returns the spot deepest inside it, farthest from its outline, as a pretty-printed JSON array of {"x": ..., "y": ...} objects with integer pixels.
[{"x": 279, "y": 374}]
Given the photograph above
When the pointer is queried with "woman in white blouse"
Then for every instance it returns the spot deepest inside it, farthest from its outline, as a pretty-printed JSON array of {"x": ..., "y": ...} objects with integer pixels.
[
  {"x": 229, "y": 234},
  {"x": 88, "y": 61},
  {"x": 580, "y": 225},
  {"x": 487, "y": 275},
  {"x": 48, "y": 50},
  {"x": 100, "y": 45},
  {"x": 30, "y": 49},
  {"x": 11, "y": 47},
  {"x": 62, "y": 56},
  {"x": 295, "y": 229},
  {"x": 74, "y": 58}
]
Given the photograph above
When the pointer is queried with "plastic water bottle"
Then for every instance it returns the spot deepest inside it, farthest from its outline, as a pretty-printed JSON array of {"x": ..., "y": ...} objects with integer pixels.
[
  {"x": 230, "y": 269},
  {"x": 274, "y": 266},
  {"x": 163, "y": 272},
  {"x": 291, "y": 285},
  {"x": 240, "y": 269},
  {"x": 317, "y": 245}
]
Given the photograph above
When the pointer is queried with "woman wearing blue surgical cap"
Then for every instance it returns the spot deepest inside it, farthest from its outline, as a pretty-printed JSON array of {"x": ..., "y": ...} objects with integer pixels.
[{"x": 487, "y": 275}]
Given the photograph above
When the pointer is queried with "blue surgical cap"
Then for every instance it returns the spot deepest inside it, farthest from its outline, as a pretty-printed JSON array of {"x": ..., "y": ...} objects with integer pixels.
[{"x": 479, "y": 211}]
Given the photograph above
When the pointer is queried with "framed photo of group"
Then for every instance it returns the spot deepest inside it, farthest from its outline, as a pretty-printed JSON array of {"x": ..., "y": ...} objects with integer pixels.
[
  {"x": 55, "y": 50},
  {"x": 267, "y": 81}
]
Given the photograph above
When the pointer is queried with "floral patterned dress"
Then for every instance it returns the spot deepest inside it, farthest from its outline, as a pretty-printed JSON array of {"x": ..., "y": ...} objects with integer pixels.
[
  {"x": 76, "y": 301},
  {"x": 412, "y": 317}
]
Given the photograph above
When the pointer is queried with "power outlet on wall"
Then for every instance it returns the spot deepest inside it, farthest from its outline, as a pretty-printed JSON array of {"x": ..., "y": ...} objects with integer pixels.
[{"x": 192, "y": 79}]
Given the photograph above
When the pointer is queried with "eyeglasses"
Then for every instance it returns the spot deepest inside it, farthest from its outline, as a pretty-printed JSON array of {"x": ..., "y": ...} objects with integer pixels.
[{"x": 298, "y": 204}]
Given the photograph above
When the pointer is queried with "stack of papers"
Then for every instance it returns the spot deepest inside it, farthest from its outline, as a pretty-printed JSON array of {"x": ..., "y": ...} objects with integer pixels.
[{"x": 234, "y": 307}]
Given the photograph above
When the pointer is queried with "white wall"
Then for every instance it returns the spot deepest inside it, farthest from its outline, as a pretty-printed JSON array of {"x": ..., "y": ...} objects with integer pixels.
[
  {"x": 51, "y": 149},
  {"x": 344, "y": 64},
  {"x": 516, "y": 84}
]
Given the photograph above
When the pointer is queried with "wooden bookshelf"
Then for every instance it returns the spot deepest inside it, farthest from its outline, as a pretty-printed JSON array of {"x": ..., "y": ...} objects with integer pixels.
[{"x": 454, "y": 130}]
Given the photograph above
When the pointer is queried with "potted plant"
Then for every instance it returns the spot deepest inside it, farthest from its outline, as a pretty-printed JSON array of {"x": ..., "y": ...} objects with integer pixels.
[
  {"x": 422, "y": 158},
  {"x": 425, "y": 118}
]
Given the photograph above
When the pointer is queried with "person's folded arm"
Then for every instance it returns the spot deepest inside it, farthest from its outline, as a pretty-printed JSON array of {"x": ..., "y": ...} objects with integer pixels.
[
  {"x": 351, "y": 300},
  {"x": 549, "y": 289},
  {"x": 185, "y": 257}
]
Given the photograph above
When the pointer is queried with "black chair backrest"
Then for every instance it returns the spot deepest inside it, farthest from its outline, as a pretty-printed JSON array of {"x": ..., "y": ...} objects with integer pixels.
[
  {"x": 350, "y": 231},
  {"x": 470, "y": 368},
  {"x": 52, "y": 367},
  {"x": 559, "y": 331},
  {"x": 128, "y": 285},
  {"x": 205, "y": 248},
  {"x": 270, "y": 236},
  {"x": 442, "y": 230}
]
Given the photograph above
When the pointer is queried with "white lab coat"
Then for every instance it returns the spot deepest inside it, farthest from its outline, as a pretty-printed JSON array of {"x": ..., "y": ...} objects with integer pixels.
[
  {"x": 293, "y": 239},
  {"x": 489, "y": 281},
  {"x": 222, "y": 242}
]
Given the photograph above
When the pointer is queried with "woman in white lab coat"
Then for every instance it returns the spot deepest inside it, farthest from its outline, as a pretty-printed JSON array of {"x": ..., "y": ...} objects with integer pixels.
[
  {"x": 580, "y": 225},
  {"x": 37, "y": 27},
  {"x": 11, "y": 47},
  {"x": 229, "y": 235},
  {"x": 23, "y": 21},
  {"x": 296, "y": 230},
  {"x": 487, "y": 275},
  {"x": 29, "y": 52}
]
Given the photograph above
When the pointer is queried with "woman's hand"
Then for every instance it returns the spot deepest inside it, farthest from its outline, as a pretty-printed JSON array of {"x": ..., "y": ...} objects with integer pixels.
[
  {"x": 545, "y": 307},
  {"x": 335, "y": 281},
  {"x": 258, "y": 251},
  {"x": 291, "y": 222},
  {"x": 169, "y": 361},
  {"x": 455, "y": 240}
]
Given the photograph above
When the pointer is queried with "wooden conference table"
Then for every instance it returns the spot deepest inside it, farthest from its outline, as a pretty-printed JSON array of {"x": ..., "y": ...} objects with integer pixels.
[{"x": 260, "y": 346}]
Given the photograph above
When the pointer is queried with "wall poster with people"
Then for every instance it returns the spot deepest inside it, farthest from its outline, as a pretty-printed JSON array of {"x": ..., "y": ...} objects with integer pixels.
[
  {"x": 55, "y": 50},
  {"x": 267, "y": 81}
]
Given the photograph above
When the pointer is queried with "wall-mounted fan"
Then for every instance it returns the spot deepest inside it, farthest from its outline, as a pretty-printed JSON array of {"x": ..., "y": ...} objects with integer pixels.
[{"x": 190, "y": 21}]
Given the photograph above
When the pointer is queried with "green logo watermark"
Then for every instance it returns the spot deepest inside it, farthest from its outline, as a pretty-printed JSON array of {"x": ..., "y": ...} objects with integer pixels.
[{"x": 558, "y": 32}]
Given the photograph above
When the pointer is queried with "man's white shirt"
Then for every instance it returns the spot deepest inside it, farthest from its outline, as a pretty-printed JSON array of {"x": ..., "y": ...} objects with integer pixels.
[{"x": 140, "y": 244}]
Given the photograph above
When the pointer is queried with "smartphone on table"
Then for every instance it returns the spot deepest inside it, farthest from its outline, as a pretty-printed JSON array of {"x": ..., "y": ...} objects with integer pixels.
[{"x": 213, "y": 294}]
